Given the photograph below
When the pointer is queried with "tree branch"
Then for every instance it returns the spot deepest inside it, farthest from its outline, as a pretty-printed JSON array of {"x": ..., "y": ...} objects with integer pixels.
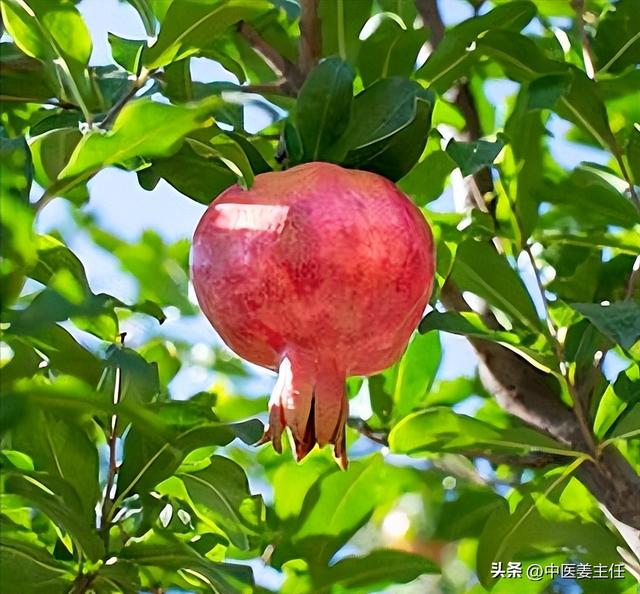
[
  {"x": 527, "y": 392},
  {"x": 60, "y": 104},
  {"x": 310, "y": 49},
  {"x": 587, "y": 53},
  {"x": 290, "y": 73},
  {"x": 108, "y": 499},
  {"x": 82, "y": 583}
]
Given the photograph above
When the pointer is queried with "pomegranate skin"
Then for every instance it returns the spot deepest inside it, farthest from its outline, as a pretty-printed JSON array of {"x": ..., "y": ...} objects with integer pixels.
[{"x": 319, "y": 272}]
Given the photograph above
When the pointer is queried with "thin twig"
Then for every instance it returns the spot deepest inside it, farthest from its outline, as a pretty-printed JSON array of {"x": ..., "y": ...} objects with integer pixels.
[
  {"x": 310, "y": 48},
  {"x": 60, "y": 104},
  {"x": 587, "y": 52},
  {"x": 367, "y": 431},
  {"x": 558, "y": 347},
  {"x": 278, "y": 87},
  {"x": 82, "y": 583},
  {"x": 278, "y": 63},
  {"x": 108, "y": 499},
  {"x": 428, "y": 11},
  {"x": 529, "y": 460}
]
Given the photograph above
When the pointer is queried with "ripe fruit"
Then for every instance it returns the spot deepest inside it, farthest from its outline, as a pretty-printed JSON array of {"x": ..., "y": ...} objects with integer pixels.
[{"x": 319, "y": 272}]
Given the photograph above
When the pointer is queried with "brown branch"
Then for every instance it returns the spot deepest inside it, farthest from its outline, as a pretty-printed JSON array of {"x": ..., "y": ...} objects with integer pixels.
[
  {"x": 520, "y": 388},
  {"x": 82, "y": 583},
  {"x": 528, "y": 460},
  {"x": 279, "y": 87},
  {"x": 428, "y": 11},
  {"x": 290, "y": 73},
  {"x": 533, "y": 396},
  {"x": 310, "y": 49},
  {"x": 364, "y": 429},
  {"x": 587, "y": 52}
]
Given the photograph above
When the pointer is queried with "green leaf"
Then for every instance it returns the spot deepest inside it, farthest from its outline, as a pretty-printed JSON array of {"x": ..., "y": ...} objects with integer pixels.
[
  {"x": 453, "y": 57},
  {"x": 323, "y": 107},
  {"x": 56, "y": 34},
  {"x": 389, "y": 127},
  {"x": 391, "y": 50},
  {"x": 149, "y": 460},
  {"x": 619, "y": 321},
  {"x": 625, "y": 242},
  {"x": 633, "y": 153},
  {"x": 480, "y": 269},
  {"x": 17, "y": 252},
  {"x": 198, "y": 177},
  {"x": 177, "y": 77},
  {"x": 291, "y": 482},
  {"x": 473, "y": 156},
  {"x": 15, "y": 169},
  {"x": 258, "y": 163},
  {"x": 51, "y": 152},
  {"x": 221, "y": 492},
  {"x": 143, "y": 129},
  {"x": 545, "y": 91},
  {"x": 292, "y": 143},
  {"x": 629, "y": 427},
  {"x": 617, "y": 401},
  {"x": 139, "y": 381},
  {"x": 62, "y": 449},
  {"x": 440, "y": 429},
  {"x": 54, "y": 256},
  {"x": 416, "y": 371},
  {"x": 380, "y": 111},
  {"x": 164, "y": 550},
  {"x": 466, "y": 515},
  {"x": 23, "y": 78},
  {"x": 164, "y": 354},
  {"x": 191, "y": 25},
  {"x": 335, "y": 509},
  {"x": 617, "y": 41},
  {"x": 145, "y": 9},
  {"x": 126, "y": 52},
  {"x": 471, "y": 325},
  {"x": 33, "y": 568},
  {"x": 588, "y": 195},
  {"x": 222, "y": 147},
  {"x": 63, "y": 352},
  {"x": 121, "y": 574},
  {"x": 522, "y": 164},
  {"x": 581, "y": 104},
  {"x": 376, "y": 570},
  {"x": 68, "y": 395},
  {"x": 341, "y": 22},
  {"x": 57, "y": 499},
  {"x": 538, "y": 523},
  {"x": 426, "y": 181}
]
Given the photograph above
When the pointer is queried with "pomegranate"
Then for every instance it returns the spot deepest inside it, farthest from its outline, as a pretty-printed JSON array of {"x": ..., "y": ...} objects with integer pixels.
[{"x": 319, "y": 272}]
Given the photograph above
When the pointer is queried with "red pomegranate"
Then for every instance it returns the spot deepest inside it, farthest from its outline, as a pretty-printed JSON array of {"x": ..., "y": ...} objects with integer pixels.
[{"x": 319, "y": 272}]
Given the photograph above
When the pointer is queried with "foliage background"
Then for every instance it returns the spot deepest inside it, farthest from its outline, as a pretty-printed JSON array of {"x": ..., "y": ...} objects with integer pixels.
[{"x": 432, "y": 497}]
